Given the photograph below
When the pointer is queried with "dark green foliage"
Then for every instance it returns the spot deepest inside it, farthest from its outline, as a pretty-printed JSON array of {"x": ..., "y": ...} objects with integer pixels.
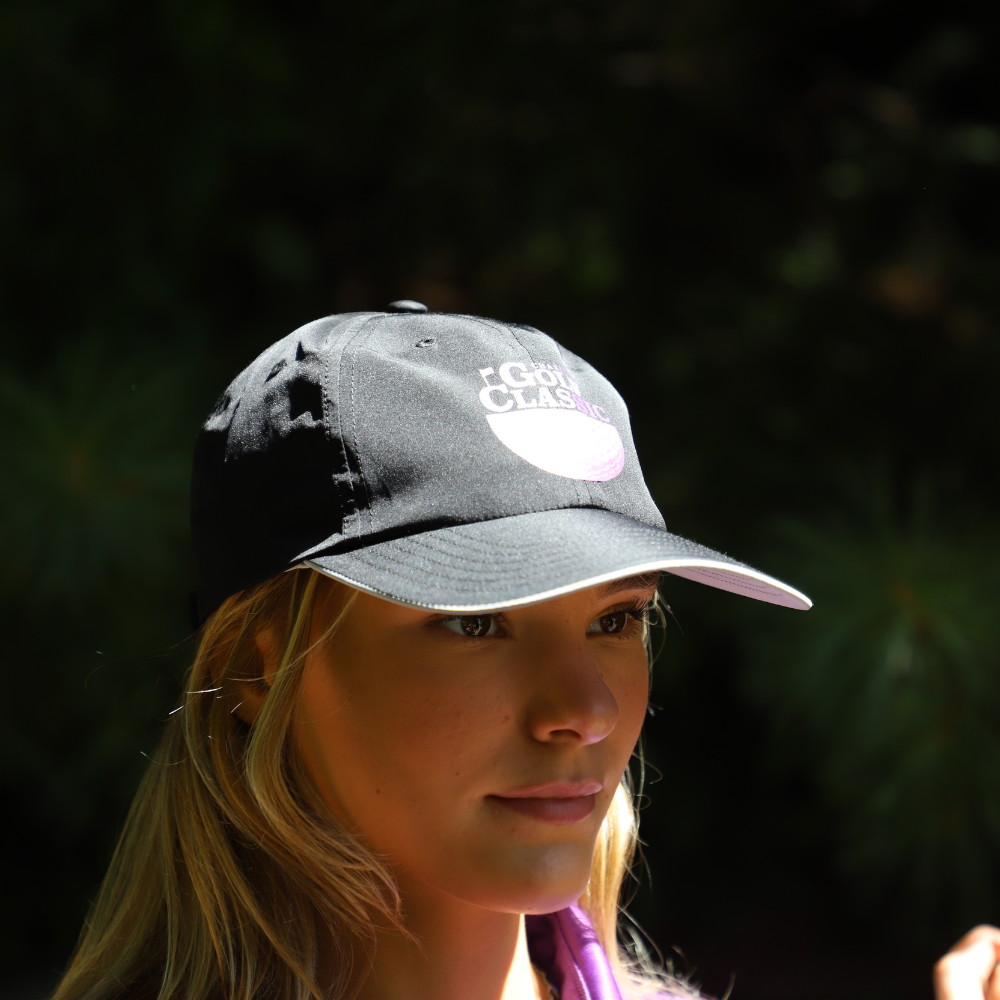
[
  {"x": 888, "y": 694},
  {"x": 96, "y": 457}
]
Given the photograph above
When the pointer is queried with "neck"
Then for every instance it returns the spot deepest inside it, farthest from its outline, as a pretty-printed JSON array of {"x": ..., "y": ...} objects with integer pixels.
[{"x": 460, "y": 952}]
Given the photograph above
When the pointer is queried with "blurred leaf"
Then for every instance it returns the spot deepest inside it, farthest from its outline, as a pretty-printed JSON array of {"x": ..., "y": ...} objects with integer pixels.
[
  {"x": 96, "y": 473},
  {"x": 888, "y": 692},
  {"x": 813, "y": 261},
  {"x": 976, "y": 143}
]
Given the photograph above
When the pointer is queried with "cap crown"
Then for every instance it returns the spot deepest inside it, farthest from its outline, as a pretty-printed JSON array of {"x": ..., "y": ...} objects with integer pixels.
[{"x": 362, "y": 427}]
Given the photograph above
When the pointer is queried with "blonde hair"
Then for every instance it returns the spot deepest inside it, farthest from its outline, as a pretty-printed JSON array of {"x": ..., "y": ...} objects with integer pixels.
[{"x": 230, "y": 868}]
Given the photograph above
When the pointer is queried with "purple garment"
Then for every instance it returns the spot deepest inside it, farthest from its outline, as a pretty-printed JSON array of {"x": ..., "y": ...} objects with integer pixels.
[{"x": 564, "y": 946}]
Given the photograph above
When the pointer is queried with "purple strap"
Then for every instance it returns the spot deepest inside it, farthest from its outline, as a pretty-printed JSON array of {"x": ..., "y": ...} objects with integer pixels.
[{"x": 565, "y": 947}]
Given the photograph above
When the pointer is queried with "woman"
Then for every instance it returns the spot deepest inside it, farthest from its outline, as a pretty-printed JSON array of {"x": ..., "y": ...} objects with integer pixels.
[{"x": 426, "y": 560}]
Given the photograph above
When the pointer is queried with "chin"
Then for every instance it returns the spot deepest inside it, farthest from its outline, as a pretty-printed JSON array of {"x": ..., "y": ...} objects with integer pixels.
[
  {"x": 526, "y": 899},
  {"x": 540, "y": 881}
]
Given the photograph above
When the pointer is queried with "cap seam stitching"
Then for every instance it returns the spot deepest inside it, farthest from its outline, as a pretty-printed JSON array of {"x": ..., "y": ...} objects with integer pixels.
[
  {"x": 357, "y": 451},
  {"x": 502, "y": 517},
  {"x": 348, "y": 337}
]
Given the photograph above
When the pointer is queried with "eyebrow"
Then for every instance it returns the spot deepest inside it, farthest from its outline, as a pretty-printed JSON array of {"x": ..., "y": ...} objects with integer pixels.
[{"x": 643, "y": 581}]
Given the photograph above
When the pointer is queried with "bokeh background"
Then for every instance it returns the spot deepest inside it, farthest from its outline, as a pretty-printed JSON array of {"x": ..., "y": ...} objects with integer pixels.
[{"x": 775, "y": 225}]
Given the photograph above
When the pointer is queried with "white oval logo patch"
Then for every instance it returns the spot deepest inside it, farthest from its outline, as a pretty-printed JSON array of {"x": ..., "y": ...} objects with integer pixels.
[{"x": 564, "y": 442}]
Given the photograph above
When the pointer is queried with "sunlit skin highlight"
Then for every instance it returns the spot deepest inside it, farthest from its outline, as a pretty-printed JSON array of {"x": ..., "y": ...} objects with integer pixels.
[{"x": 480, "y": 765}]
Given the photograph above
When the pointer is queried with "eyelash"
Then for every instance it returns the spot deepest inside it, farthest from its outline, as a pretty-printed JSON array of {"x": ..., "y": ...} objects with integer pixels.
[{"x": 638, "y": 610}]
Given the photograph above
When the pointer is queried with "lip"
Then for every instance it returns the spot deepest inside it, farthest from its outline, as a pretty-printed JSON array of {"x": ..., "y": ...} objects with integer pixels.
[
  {"x": 554, "y": 790},
  {"x": 557, "y": 802}
]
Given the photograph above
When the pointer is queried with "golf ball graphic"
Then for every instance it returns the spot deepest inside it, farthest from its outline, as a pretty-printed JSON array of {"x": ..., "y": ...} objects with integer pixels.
[{"x": 563, "y": 442}]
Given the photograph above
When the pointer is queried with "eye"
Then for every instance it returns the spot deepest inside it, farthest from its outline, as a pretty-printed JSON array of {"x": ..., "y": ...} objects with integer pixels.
[
  {"x": 474, "y": 626},
  {"x": 616, "y": 621}
]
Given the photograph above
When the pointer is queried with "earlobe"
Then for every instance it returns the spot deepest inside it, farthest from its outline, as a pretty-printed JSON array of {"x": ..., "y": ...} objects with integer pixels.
[
  {"x": 253, "y": 691},
  {"x": 267, "y": 647}
]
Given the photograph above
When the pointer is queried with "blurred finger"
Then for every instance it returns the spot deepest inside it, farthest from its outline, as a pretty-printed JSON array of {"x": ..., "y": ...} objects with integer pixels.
[
  {"x": 969, "y": 970},
  {"x": 993, "y": 989}
]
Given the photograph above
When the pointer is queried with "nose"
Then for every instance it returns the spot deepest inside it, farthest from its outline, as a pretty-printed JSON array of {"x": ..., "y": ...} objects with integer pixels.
[{"x": 570, "y": 702}]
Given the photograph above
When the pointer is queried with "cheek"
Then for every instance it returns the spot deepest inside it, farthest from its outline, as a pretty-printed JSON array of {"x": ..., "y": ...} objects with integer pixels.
[
  {"x": 629, "y": 683},
  {"x": 397, "y": 760}
]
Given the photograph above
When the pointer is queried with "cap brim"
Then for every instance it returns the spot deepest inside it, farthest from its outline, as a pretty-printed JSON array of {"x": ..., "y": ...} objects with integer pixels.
[{"x": 515, "y": 561}]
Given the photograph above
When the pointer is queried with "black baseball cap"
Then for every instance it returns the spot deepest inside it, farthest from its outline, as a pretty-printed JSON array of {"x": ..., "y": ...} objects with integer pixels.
[{"x": 441, "y": 461}]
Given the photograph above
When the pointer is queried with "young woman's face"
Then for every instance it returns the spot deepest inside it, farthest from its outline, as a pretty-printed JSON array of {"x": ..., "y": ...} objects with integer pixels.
[{"x": 479, "y": 754}]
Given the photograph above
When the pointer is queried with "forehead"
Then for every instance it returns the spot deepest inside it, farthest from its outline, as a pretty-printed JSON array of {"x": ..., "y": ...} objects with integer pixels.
[{"x": 643, "y": 581}]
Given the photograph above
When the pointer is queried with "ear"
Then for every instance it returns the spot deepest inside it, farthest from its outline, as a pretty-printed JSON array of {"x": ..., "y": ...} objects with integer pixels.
[{"x": 253, "y": 692}]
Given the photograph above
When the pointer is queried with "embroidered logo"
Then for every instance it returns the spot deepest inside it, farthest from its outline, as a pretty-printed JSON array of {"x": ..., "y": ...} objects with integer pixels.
[{"x": 537, "y": 411}]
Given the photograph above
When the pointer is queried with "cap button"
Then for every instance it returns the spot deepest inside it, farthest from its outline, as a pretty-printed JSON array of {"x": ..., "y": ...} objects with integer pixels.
[{"x": 407, "y": 306}]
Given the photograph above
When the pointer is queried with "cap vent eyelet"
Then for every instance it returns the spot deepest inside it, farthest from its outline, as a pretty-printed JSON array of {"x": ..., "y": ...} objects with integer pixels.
[{"x": 426, "y": 342}]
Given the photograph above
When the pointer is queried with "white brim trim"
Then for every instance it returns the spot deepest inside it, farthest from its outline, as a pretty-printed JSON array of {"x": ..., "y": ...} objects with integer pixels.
[{"x": 711, "y": 572}]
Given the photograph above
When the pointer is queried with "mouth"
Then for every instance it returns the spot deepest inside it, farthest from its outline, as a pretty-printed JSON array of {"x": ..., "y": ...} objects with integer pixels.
[{"x": 556, "y": 802}]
